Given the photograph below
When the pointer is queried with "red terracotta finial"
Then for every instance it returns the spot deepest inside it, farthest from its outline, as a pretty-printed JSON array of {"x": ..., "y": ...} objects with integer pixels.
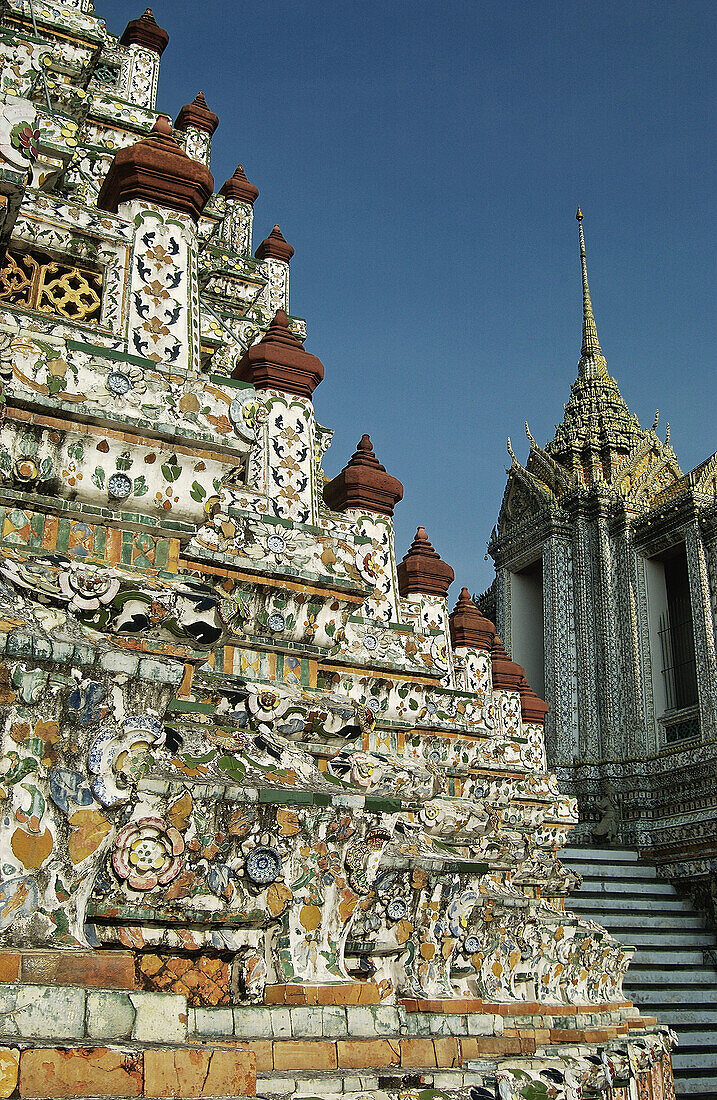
[
  {"x": 145, "y": 32},
  {"x": 422, "y": 570},
  {"x": 532, "y": 707},
  {"x": 237, "y": 187},
  {"x": 468, "y": 626},
  {"x": 163, "y": 127},
  {"x": 157, "y": 170},
  {"x": 506, "y": 673},
  {"x": 197, "y": 116},
  {"x": 364, "y": 484},
  {"x": 279, "y": 362},
  {"x": 274, "y": 247}
]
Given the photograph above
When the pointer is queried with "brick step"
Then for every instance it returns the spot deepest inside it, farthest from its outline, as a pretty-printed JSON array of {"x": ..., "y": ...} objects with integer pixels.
[
  {"x": 68, "y": 1012},
  {"x": 51, "y": 1073}
]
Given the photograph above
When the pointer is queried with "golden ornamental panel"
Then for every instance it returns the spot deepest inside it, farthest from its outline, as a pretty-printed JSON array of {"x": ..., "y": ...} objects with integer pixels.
[{"x": 38, "y": 281}]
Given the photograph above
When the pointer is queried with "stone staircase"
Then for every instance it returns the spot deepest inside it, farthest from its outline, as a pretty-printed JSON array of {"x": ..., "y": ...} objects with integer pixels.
[{"x": 674, "y": 971}]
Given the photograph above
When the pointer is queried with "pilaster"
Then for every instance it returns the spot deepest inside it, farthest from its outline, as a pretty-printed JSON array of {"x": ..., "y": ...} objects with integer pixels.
[
  {"x": 143, "y": 76},
  {"x": 703, "y": 626},
  {"x": 163, "y": 318},
  {"x": 560, "y": 655},
  {"x": 586, "y": 648}
]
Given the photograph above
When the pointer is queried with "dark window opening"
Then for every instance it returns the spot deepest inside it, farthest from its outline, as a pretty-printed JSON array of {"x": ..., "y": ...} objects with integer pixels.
[{"x": 679, "y": 667}]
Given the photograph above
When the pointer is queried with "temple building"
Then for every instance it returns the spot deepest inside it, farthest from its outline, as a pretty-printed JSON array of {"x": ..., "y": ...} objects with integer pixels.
[
  {"x": 606, "y": 592},
  {"x": 275, "y": 821}
]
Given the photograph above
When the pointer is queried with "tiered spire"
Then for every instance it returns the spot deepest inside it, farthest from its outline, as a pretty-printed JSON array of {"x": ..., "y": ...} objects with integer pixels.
[
  {"x": 238, "y": 187},
  {"x": 598, "y": 430},
  {"x": 157, "y": 170},
  {"x": 196, "y": 115},
  {"x": 275, "y": 247}
]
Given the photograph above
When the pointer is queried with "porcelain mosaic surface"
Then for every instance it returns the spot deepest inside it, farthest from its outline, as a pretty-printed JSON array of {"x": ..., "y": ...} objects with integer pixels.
[{"x": 231, "y": 747}]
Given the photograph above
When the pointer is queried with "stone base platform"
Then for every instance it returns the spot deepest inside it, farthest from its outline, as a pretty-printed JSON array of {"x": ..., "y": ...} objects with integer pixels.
[{"x": 62, "y": 1040}]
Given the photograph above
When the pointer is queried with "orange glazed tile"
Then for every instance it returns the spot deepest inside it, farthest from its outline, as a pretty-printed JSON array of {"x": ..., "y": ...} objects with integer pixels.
[
  {"x": 194, "y": 1073},
  {"x": 418, "y": 1052},
  {"x": 9, "y": 966},
  {"x": 447, "y": 1052},
  {"x": 51, "y": 1074},
  {"x": 365, "y": 1053},
  {"x": 231, "y": 1073},
  {"x": 291, "y": 1054},
  {"x": 9, "y": 1067},
  {"x": 263, "y": 1052}
]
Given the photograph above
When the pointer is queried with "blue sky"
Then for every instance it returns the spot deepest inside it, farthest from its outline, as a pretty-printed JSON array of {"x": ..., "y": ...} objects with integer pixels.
[{"x": 425, "y": 159}]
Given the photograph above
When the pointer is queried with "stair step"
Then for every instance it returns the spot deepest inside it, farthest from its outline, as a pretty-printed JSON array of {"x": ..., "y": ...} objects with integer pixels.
[
  {"x": 626, "y": 918},
  {"x": 673, "y": 975},
  {"x": 607, "y": 855},
  {"x": 671, "y": 979},
  {"x": 582, "y": 902},
  {"x": 596, "y": 886},
  {"x": 645, "y": 937},
  {"x": 687, "y": 996},
  {"x": 675, "y": 1016},
  {"x": 665, "y": 955},
  {"x": 635, "y": 872},
  {"x": 695, "y": 1059},
  {"x": 702, "y": 1088}
]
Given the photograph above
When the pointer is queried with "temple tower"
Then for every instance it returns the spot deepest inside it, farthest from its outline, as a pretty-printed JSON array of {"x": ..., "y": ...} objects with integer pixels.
[{"x": 603, "y": 593}]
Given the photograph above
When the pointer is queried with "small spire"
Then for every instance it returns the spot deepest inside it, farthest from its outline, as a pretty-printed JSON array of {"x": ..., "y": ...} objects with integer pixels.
[
  {"x": 275, "y": 247},
  {"x": 279, "y": 361},
  {"x": 237, "y": 187},
  {"x": 468, "y": 627},
  {"x": 422, "y": 569},
  {"x": 363, "y": 484},
  {"x": 196, "y": 115},
  {"x": 145, "y": 32},
  {"x": 591, "y": 345}
]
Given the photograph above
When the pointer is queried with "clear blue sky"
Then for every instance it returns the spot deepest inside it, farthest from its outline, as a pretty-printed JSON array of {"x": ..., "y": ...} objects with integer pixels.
[{"x": 425, "y": 159}]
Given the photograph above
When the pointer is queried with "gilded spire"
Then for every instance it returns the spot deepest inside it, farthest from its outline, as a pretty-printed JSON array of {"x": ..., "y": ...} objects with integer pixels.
[{"x": 591, "y": 345}]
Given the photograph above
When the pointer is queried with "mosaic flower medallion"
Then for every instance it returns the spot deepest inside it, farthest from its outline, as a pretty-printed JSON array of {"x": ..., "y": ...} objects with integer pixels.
[
  {"x": 118, "y": 383},
  {"x": 119, "y": 486},
  {"x": 263, "y": 865},
  {"x": 397, "y": 909}
]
